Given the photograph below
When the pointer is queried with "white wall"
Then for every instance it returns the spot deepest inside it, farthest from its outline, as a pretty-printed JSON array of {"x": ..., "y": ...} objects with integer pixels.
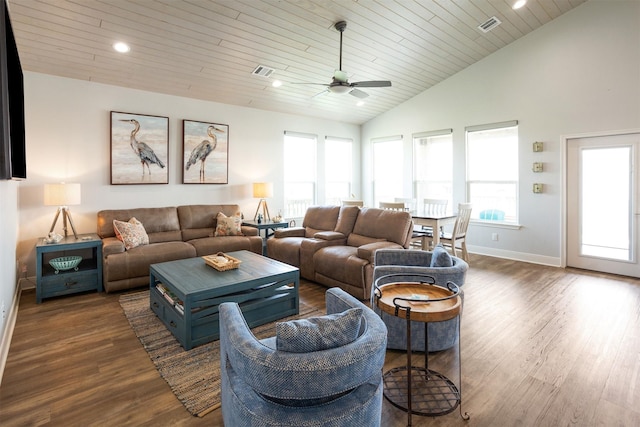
[
  {"x": 579, "y": 73},
  {"x": 68, "y": 137},
  {"x": 8, "y": 240}
]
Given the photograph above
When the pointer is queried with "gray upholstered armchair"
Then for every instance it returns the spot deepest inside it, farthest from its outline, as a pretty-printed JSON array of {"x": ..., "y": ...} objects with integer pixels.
[
  {"x": 334, "y": 386},
  {"x": 442, "y": 335}
]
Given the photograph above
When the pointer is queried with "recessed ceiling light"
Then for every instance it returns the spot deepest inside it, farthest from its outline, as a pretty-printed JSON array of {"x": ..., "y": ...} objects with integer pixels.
[
  {"x": 121, "y": 47},
  {"x": 276, "y": 83},
  {"x": 360, "y": 103},
  {"x": 518, "y": 4}
]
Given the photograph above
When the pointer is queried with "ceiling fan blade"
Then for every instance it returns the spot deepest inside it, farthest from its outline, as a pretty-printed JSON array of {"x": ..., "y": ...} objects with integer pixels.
[
  {"x": 340, "y": 76},
  {"x": 358, "y": 93},
  {"x": 308, "y": 83},
  {"x": 319, "y": 94},
  {"x": 372, "y": 83}
]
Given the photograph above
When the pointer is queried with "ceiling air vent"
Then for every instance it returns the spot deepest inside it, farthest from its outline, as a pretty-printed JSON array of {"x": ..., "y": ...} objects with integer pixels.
[
  {"x": 489, "y": 24},
  {"x": 263, "y": 71}
]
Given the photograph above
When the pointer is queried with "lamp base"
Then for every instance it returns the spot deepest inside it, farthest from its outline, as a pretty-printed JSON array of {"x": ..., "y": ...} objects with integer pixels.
[
  {"x": 265, "y": 210},
  {"x": 66, "y": 215}
]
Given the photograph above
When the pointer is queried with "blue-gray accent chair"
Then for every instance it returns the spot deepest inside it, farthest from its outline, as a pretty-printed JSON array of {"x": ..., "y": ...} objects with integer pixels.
[
  {"x": 262, "y": 386},
  {"x": 442, "y": 335}
]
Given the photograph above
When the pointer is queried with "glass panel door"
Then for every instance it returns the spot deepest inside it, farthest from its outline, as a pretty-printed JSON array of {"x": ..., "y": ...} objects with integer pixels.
[{"x": 602, "y": 190}]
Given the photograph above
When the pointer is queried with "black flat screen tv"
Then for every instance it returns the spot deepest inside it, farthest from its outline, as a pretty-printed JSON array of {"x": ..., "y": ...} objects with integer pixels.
[{"x": 13, "y": 159}]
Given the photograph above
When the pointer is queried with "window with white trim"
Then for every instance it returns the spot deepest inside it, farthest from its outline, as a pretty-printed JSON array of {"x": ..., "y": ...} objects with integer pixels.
[
  {"x": 387, "y": 169},
  {"x": 338, "y": 169},
  {"x": 300, "y": 161},
  {"x": 492, "y": 171},
  {"x": 433, "y": 166}
]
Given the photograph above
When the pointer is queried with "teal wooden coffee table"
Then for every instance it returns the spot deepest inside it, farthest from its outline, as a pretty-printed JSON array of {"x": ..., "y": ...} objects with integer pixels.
[{"x": 185, "y": 294}]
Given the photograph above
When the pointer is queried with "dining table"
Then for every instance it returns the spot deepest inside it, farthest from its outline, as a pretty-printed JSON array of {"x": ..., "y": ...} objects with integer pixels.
[{"x": 435, "y": 221}]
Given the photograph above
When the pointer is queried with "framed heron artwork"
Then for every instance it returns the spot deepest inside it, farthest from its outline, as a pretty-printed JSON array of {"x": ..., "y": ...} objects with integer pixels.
[
  {"x": 205, "y": 158},
  {"x": 139, "y": 149}
]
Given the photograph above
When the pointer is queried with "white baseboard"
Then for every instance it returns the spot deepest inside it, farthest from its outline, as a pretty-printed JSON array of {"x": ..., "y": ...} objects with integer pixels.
[
  {"x": 516, "y": 256},
  {"x": 27, "y": 283},
  {"x": 7, "y": 333}
]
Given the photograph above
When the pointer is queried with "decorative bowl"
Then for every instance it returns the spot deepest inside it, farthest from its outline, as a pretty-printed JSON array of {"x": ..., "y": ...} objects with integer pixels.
[{"x": 65, "y": 263}]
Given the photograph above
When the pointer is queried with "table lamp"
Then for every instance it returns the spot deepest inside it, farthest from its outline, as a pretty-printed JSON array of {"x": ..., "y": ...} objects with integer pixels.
[
  {"x": 262, "y": 190},
  {"x": 62, "y": 195}
]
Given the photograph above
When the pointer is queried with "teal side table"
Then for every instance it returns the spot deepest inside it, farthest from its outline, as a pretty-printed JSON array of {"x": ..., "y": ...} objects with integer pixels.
[
  {"x": 88, "y": 275},
  {"x": 268, "y": 227}
]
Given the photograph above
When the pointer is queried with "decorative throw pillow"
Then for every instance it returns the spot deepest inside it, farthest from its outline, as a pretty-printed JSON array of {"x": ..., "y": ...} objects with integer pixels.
[
  {"x": 228, "y": 225},
  {"x": 440, "y": 257},
  {"x": 131, "y": 233},
  {"x": 319, "y": 333}
]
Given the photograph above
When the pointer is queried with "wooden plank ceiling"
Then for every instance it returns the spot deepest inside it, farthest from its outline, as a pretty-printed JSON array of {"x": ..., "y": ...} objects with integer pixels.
[{"x": 208, "y": 49}]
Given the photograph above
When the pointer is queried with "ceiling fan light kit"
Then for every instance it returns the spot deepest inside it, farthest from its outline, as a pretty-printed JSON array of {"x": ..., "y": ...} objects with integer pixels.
[{"x": 339, "y": 89}]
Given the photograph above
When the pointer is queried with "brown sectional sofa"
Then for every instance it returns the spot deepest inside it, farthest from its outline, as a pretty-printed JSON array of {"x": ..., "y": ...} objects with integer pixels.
[
  {"x": 174, "y": 233},
  {"x": 335, "y": 246}
]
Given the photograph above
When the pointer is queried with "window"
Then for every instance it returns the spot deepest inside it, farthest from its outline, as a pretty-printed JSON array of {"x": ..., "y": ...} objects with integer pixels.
[
  {"x": 338, "y": 169},
  {"x": 615, "y": 187},
  {"x": 299, "y": 173},
  {"x": 387, "y": 169},
  {"x": 433, "y": 166},
  {"x": 492, "y": 171}
]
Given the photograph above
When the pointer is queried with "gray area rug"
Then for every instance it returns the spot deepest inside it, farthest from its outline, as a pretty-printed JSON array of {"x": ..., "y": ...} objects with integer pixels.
[{"x": 194, "y": 375}]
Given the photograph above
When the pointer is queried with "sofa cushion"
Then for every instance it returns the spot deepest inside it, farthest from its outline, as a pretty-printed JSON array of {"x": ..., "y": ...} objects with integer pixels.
[
  {"x": 131, "y": 233},
  {"x": 356, "y": 240},
  {"x": 212, "y": 245},
  {"x": 135, "y": 262},
  {"x": 341, "y": 263},
  {"x": 346, "y": 219},
  {"x": 320, "y": 218},
  {"x": 319, "y": 333},
  {"x": 393, "y": 226},
  {"x": 161, "y": 224},
  {"x": 198, "y": 221},
  {"x": 285, "y": 249},
  {"x": 440, "y": 257},
  {"x": 228, "y": 225}
]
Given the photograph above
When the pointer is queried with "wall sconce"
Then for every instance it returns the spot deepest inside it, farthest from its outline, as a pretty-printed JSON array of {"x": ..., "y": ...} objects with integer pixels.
[
  {"x": 537, "y": 147},
  {"x": 262, "y": 190},
  {"x": 62, "y": 195},
  {"x": 537, "y": 167},
  {"x": 537, "y": 188}
]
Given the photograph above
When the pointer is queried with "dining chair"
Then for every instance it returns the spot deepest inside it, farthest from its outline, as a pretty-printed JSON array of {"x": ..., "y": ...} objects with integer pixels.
[
  {"x": 459, "y": 232},
  {"x": 435, "y": 206},
  {"x": 353, "y": 203},
  {"x": 392, "y": 206},
  {"x": 409, "y": 203},
  {"x": 431, "y": 207}
]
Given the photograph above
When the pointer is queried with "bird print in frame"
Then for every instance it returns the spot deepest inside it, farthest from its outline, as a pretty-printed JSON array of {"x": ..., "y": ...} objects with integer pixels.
[
  {"x": 205, "y": 153},
  {"x": 139, "y": 149}
]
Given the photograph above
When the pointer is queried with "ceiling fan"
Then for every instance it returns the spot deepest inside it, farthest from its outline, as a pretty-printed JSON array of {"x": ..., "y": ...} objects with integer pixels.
[{"x": 340, "y": 83}]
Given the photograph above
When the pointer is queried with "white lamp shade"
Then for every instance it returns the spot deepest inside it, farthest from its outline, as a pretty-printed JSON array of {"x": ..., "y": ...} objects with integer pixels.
[
  {"x": 262, "y": 190},
  {"x": 61, "y": 194}
]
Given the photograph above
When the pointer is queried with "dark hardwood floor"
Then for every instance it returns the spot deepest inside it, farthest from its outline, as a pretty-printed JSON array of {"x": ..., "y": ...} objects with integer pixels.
[{"x": 541, "y": 346}]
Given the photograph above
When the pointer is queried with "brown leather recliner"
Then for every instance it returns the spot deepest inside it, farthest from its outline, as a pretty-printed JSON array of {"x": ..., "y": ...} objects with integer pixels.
[
  {"x": 350, "y": 266},
  {"x": 336, "y": 245},
  {"x": 321, "y": 226}
]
